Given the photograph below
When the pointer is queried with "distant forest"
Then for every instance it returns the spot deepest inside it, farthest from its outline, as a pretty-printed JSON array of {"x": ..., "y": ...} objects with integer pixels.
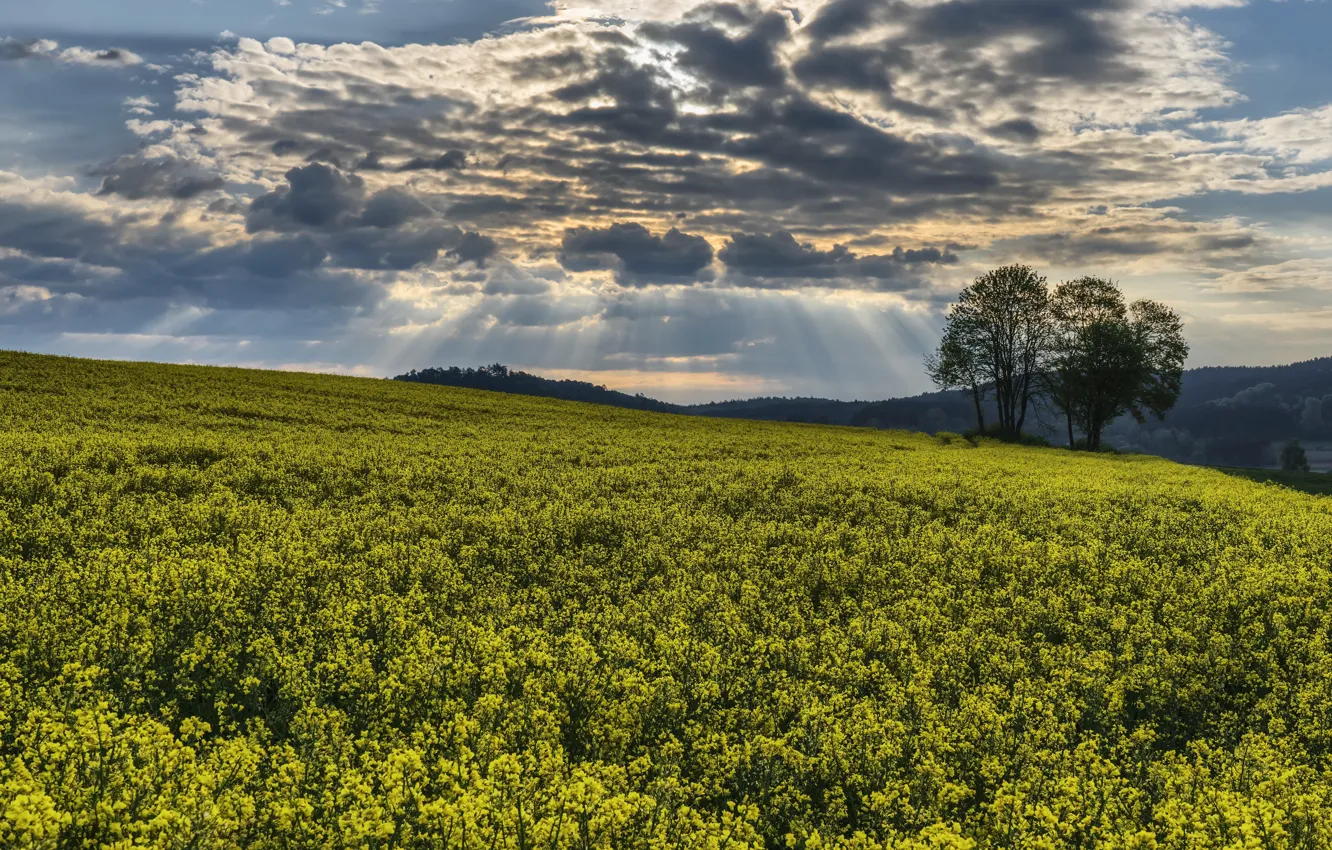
[
  {"x": 500, "y": 378},
  {"x": 1226, "y": 415}
]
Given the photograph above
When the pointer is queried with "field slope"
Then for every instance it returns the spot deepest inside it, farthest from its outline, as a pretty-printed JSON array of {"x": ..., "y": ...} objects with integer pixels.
[{"x": 247, "y": 609}]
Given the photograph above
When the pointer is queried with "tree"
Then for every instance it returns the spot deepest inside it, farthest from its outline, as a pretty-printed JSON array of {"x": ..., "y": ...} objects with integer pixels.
[
  {"x": 995, "y": 339},
  {"x": 955, "y": 366},
  {"x": 1106, "y": 359},
  {"x": 1293, "y": 458}
]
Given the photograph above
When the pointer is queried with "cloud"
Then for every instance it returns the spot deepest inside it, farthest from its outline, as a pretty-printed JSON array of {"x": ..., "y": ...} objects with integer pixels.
[
  {"x": 453, "y": 160},
  {"x": 539, "y": 311},
  {"x": 115, "y": 56},
  {"x": 391, "y": 207},
  {"x": 1302, "y": 136},
  {"x": 79, "y": 245},
  {"x": 316, "y": 195},
  {"x": 508, "y": 279},
  {"x": 779, "y": 257},
  {"x": 474, "y": 248},
  {"x": 398, "y": 249},
  {"x": 141, "y": 105},
  {"x": 13, "y": 49},
  {"x": 1307, "y": 279},
  {"x": 481, "y": 197},
  {"x": 1017, "y": 129},
  {"x": 635, "y": 255},
  {"x": 746, "y": 59},
  {"x": 861, "y": 117},
  {"x": 392, "y": 229},
  {"x": 136, "y": 176}
]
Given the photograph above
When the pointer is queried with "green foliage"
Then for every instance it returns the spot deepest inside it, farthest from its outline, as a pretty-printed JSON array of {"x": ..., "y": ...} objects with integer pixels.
[
  {"x": 269, "y": 610},
  {"x": 1293, "y": 458},
  {"x": 996, "y": 339},
  {"x": 1108, "y": 358},
  {"x": 1080, "y": 349}
]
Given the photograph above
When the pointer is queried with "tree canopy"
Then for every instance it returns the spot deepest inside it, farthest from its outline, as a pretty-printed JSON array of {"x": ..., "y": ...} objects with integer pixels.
[
  {"x": 995, "y": 337},
  {"x": 1081, "y": 349}
]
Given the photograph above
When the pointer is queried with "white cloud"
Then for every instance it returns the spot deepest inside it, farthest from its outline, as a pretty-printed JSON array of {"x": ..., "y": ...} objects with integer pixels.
[
  {"x": 114, "y": 56},
  {"x": 1301, "y": 136}
]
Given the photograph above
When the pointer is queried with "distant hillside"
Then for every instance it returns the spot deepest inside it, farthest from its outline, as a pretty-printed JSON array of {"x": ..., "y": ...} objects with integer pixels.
[
  {"x": 821, "y": 411},
  {"x": 1226, "y": 415},
  {"x": 502, "y": 379}
]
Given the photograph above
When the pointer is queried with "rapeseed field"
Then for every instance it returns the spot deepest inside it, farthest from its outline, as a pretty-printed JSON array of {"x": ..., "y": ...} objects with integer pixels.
[{"x": 245, "y": 609}]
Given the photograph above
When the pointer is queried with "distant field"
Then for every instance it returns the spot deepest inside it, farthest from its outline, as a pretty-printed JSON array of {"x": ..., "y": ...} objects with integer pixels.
[
  {"x": 246, "y": 609},
  {"x": 1317, "y": 483}
]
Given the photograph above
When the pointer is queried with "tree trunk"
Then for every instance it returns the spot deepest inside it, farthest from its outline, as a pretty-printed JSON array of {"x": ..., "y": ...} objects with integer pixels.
[
  {"x": 1069, "y": 418},
  {"x": 980, "y": 410},
  {"x": 1023, "y": 400}
]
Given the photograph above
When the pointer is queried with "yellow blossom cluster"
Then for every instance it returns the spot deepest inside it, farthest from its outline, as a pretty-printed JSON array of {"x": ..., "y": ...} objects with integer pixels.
[{"x": 268, "y": 610}]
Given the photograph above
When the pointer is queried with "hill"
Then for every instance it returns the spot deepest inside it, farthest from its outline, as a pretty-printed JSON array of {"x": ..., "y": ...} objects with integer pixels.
[
  {"x": 1227, "y": 416},
  {"x": 273, "y": 610},
  {"x": 499, "y": 378}
]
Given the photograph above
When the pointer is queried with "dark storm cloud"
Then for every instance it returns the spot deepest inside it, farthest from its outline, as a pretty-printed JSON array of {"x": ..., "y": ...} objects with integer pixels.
[
  {"x": 479, "y": 206},
  {"x": 787, "y": 131},
  {"x": 327, "y": 154},
  {"x": 270, "y": 258},
  {"x": 452, "y": 160},
  {"x": 110, "y": 261},
  {"x": 53, "y": 232},
  {"x": 372, "y": 161},
  {"x": 1078, "y": 41},
  {"x": 1072, "y": 42},
  {"x": 396, "y": 250},
  {"x": 749, "y": 59},
  {"x": 1018, "y": 129},
  {"x": 303, "y": 240},
  {"x": 838, "y": 18},
  {"x": 137, "y": 177},
  {"x": 363, "y": 125},
  {"x": 635, "y": 255},
  {"x": 391, "y": 230},
  {"x": 392, "y": 207},
  {"x": 1235, "y": 242},
  {"x": 862, "y": 67},
  {"x": 612, "y": 141},
  {"x": 644, "y": 105},
  {"x": 1097, "y": 245},
  {"x": 796, "y": 133},
  {"x": 849, "y": 66},
  {"x": 474, "y": 248},
  {"x": 316, "y": 195},
  {"x": 779, "y": 257}
]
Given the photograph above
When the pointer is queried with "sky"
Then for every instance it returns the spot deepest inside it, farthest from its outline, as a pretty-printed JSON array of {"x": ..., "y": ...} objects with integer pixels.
[{"x": 695, "y": 201}]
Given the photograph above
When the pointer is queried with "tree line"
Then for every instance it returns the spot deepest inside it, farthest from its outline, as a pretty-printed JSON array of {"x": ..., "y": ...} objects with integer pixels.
[{"x": 1078, "y": 349}]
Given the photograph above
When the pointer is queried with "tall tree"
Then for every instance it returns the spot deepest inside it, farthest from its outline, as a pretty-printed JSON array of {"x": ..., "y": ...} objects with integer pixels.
[
  {"x": 1002, "y": 324},
  {"x": 954, "y": 365},
  {"x": 1107, "y": 359},
  {"x": 1293, "y": 458}
]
